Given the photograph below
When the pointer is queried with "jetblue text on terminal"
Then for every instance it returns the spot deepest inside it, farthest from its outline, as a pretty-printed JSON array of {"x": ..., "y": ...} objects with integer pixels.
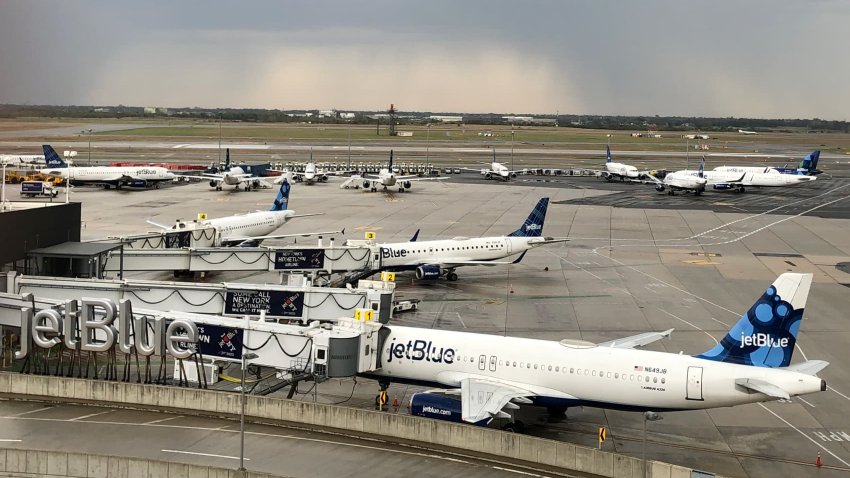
[
  {"x": 420, "y": 350},
  {"x": 90, "y": 325}
]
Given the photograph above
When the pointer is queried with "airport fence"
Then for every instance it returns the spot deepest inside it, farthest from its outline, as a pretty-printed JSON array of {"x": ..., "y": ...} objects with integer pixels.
[{"x": 388, "y": 426}]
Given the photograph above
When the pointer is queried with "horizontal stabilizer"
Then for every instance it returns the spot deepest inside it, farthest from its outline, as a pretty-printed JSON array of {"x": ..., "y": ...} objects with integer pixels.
[
  {"x": 811, "y": 367},
  {"x": 636, "y": 340},
  {"x": 761, "y": 386}
]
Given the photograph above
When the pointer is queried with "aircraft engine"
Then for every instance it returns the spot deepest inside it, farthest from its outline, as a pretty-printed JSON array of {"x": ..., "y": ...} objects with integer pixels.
[
  {"x": 428, "y": 272},
  {"x": 138, "y": 183},
  {"x": 513, "y": 175},
  {"x": 487, "y": 175},
  {"x": 406, "y": 185},
  {"x": 212, "y": 184},
  {"x": 366, "y": 184},
  {"x": 659, "y": 188},
  {"x": 323, "y": 178}
]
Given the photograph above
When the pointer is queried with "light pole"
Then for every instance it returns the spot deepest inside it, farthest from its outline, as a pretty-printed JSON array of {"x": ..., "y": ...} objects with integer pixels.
[
  {"x": 245, "y": 357},
  {"x": 512, "y": 147},
  {"x": 3, "y": 200},
  {"x": 219, "y": 140},
  {"x": 349, "y": 145},
  {"x": 427, "y": 144},
  {"x": 648, "y": 417},
  {"x": 68, "y": 181},
  {"x": 89, "y": 131}
]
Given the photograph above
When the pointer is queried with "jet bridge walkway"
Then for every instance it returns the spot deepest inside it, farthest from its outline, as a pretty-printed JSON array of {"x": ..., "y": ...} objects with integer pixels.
[
  {"x": 101, "y": 336},
  {"x": 290, "y": 303}
]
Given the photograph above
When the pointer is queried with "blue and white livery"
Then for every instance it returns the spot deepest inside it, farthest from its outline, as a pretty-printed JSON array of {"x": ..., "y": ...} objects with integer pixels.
[
  {"x": 106, "y": 176},
  {"x": 492, "y": 375}
]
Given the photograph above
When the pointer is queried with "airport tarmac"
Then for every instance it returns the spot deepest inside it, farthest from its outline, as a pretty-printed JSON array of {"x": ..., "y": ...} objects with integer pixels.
[
  {"x": 627, "y": 270},
  {"x": 278, "y": 450}
]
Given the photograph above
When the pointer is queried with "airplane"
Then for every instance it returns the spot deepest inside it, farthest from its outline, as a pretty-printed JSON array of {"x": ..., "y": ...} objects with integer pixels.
[
  {"x": 681, "y": 181},
  {"x": 388, "y": 178},
  {"x": 312, "y": 174},
  {"x": 744, "y": 131},
  {"x": 106, "y": 176},
  {"x": 492, "y": 375},
  {"x": 22, "y": 159},
  {"x": 807, "y": 167},
  {"x": 231, "y": 176},
  {"x": 248, "y": 230},
  {"x": 618, "y": 170},
  {"x": 497, "y": 171},
  {"x": 740, "y": 180},
  {"x": 433, "y": 259}
]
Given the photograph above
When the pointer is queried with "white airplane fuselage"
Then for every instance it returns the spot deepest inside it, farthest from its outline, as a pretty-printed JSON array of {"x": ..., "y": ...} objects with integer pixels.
[
  {"x": 410, "y": 254},
  {"x": 498, "y": 171},
  {"x": 751, "y": 179},
  {"x": 110, "y": 173},
  {"x": 580, "y": 373},
  {"x": 621, "y": 170},
  {"x": 682, "y": 180},
  {"x": 261, "y": 223}
]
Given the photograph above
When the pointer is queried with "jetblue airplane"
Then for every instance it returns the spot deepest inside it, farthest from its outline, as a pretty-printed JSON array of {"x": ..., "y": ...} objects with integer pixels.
[
  {"x": 232, "y": 176},
  {"x": 618, "y": 170},
  {"x": 739, "y": 179},
  {"x": 681, "y": 181},
  {"x": 387, "y": 178},
  {"x": 433, "y": 259},
  {"x": 807, "y": 167},
  {"x": 248, "y": 230},
  {"x": 491, "y": 374},
  {"x": 106, "y": 176}
]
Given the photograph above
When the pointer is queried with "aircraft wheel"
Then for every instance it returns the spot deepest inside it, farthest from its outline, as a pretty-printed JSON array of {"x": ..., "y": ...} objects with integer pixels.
[
  {"x": 509, "y": 427},
  {"x": 156, "y": 185},
  {"x": 374, "y": 190},
  {"x": 452, "y": 276},
  {"x": 401, "y": 190},
  {"x": 742, "y": 190}
]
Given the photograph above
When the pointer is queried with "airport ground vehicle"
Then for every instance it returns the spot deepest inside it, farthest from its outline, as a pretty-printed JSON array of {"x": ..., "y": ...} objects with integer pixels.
[{"x": 38, "y": 188}]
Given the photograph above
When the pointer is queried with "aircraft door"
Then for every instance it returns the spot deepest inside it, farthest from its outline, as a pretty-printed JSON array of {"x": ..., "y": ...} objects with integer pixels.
[
  {"x": 482, "y": 362},
  {"x": 694, "y": 391},
  {"x": 492, "y": 363},
  {"x": 508, "y": 246}
]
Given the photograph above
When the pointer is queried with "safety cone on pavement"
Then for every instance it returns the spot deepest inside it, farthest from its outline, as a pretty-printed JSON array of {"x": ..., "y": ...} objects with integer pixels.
[{"x": 817, "y": 462}]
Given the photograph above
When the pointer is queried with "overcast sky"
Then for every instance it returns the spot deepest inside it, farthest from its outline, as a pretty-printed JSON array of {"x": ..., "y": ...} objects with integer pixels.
[{"x": 754, "y": 58}]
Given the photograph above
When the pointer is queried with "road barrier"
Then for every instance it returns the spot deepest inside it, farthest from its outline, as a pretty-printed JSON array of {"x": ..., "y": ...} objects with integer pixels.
[{"x": 388, "y": 426}]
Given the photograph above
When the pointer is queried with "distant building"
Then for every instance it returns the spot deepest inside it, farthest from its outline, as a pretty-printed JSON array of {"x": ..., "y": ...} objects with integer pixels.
[
  {"x": 347, "y": 115},
  {"x": 446, "y": 118},
  {"x": 150, "y": 110}
]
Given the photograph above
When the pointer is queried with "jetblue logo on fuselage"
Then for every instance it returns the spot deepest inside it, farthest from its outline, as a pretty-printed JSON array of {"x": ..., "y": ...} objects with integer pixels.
[
  {"x": 386, "y": 253},
  {"x": 146, "y": 171},
  {"x": 763, "y": 340},
  {"x": 420, "y": 350},
  {"x": 533, "y": 227}
]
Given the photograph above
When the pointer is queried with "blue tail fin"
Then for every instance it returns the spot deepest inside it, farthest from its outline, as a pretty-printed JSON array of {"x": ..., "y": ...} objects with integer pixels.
[
  {"x": 533, "y": 226},
  {"x": 391, "y": 161},
  {"x": 282, "y": 200},
  {"x": 51, "y": 158},
  {"x": 608, "y": 154},
  {"x": 702, "y": 168},
  {"x": 226, "y": 159},
  {"x": 415, "y": 236},
  {"x": 766, "y": 334},
  {"x": 809, "y": 164}
]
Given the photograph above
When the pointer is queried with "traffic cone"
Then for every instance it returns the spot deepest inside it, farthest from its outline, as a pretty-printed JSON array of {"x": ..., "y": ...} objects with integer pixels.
[{"x": 817, "y": 462}]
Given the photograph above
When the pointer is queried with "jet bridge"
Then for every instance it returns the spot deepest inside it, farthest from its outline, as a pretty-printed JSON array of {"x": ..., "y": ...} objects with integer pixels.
[
  {"x": 289, "y": 303},
  {"x": 56, "y": 337},
  {"x": 315, "y": 260}
]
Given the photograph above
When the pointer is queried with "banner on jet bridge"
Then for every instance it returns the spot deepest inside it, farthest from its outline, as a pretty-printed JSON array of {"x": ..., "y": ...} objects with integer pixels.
[
  {"x": 299, "y": 259},
  {"x": 276, "y": 303},
  {"x": 218, "y": 341}
]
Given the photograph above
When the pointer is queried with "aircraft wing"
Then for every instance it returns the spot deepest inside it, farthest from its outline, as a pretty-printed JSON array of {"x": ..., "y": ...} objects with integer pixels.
[
  {"x": 284, "y": 236},
  {"x": 205, "y": 176},
  {"x": 636, "y": 340},
  {"x": 453, "y": 264},
  {"x": 537, "y": 241},
  {"x": 484, "y": 399}
]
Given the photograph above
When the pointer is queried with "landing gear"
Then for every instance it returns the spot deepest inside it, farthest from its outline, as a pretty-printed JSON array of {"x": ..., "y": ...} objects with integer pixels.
[
  {"x": 451, "y": 276},
  {"x": 514, "y": 427},
  {"x": 401, "y": 190},
  {"x": 218, "y": 188},
  {"x": 374, "y": 190},
  {"x": 156, "y": 185},
  {"x": 741, "y": 189}
]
